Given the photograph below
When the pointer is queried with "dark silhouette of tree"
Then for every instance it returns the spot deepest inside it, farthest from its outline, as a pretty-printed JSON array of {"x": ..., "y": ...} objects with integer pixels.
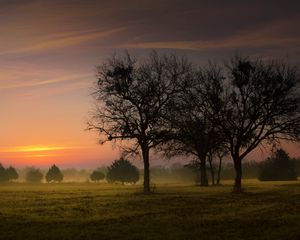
[
  {"x": 259, "y": 104},
  {"x": 212, "y": 169},
  {"x": 122, "y": 171},
  {"x": 194, "y": 132},
  {"x": 11, "y": 174},
  {"x": 33, "y": 175},
  {"x": 97, "y": 175},
  {"x": 215, "y": 158},
  {"x": 131, "y": 99},
  {"x": 216, "y": 155},
  {"x": 54, "y": 174},
  {"x": 3, "y": 174},
  {"x": 8, "y": 174},
  {"x": 220, "y": 154},
  {"x": 280, "y": 167}
]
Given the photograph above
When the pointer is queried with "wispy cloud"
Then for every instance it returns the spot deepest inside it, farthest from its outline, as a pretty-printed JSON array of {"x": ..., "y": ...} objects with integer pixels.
[
  {"x": 270, "y": 35},
  {"x": 61, "y": 40},
  {"x": 37, "y": 82},
  {"x": 235, "y": 42}
]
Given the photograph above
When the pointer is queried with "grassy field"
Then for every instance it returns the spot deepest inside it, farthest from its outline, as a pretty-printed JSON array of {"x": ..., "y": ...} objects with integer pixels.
[{"x": 175, "y": 211}]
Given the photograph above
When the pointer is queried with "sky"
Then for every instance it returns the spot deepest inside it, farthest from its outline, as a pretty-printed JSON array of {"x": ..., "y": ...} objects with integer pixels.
[{"x": 49, "y": 51}]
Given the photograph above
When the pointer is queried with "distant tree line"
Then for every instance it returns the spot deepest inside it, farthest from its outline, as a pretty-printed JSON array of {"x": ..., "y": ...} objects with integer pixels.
[
  {"x": 279, "y": 167},
  {"x": 169, "y": 104},
  {"x": 33, "y": 175},
  {"x": 274, "y": 168},
  {"x": 120, "y": 171}
]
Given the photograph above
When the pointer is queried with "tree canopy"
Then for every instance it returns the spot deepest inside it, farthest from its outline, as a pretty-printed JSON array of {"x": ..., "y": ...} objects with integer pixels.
[
  {"x": 131, "y": 98},
  {"x": 34, "y": 175},
  {"x": 8, "y": 174},
  {"x": 2, "y": 173},
  {"x": 11, "y": 173},
  {"x": 54, "y": 174},
  {"x": 97, "y": 175},
  {"x": 258, "y": 103},
  {"x": 122, "y": 171}
]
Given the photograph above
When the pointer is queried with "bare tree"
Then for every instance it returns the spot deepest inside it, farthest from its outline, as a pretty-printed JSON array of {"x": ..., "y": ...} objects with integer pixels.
[
  {"x": 131, "y": 99},
  {"x": 215, "y": 159},
  {"x": 220, "y": 154},
  {"x": 260, "y": 105},
  {"x": 211, "y": 167},
  {"x": 193, "y": 131}
]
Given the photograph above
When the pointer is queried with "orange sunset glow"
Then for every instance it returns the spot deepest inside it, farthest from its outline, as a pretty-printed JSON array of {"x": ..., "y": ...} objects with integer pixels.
[{"x": 49, "y": 51}]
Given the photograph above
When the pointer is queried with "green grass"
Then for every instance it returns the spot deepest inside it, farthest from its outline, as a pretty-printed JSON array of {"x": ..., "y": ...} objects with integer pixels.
[{"x": 100, "y": 211}]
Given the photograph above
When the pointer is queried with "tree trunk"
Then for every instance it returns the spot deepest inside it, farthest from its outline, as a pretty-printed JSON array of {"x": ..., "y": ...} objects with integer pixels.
[
  {"x": 238, "y": 174},
  {"x": 212, "y": 172},
  {"x": 145, "y": 152},
  {"x": 219, "y": 171},
  {"x": 203, "y": 180}
]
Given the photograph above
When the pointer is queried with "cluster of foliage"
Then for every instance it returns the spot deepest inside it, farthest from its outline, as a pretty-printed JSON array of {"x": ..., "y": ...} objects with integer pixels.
[
  {"x": 97, "y": 175},
  {"x": 122, "y": 171},
  {"x": 34, "y": 175},
  {"x": 8, "y": 174},
  {"x": 279, "y": 167},
  {"x": 54, "y": 174},
  {"x": 167, "y": 103}
]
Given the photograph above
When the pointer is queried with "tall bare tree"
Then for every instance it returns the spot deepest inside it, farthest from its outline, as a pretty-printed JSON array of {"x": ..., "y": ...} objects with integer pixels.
[
  {"x": 260, "y": 104},
  {"x": 131, "y": 99}
]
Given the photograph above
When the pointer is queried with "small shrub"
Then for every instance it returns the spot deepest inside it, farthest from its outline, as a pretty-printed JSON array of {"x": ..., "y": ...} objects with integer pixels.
[
  {"x": 33, "y": 175},
  {"x": 54, "y": 174},
  {"x": 122, "y": 171},
  {"x": 11, "y": 174},
  {"x": 8, "y": 174},
  {"x": 97, "y": 175}
]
